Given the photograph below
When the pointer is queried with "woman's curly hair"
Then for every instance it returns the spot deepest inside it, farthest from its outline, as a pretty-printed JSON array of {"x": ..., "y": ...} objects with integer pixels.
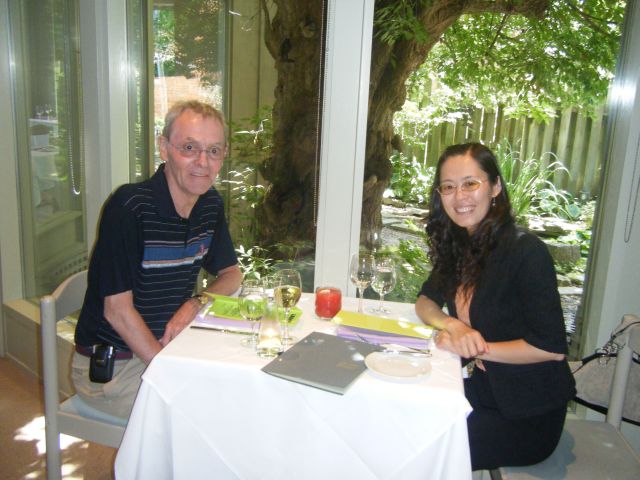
[{"x": 457, "y": 256}]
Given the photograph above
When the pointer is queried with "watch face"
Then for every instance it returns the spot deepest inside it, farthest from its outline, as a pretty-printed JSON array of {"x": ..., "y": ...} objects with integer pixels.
[{"x": 201, "y": 298}]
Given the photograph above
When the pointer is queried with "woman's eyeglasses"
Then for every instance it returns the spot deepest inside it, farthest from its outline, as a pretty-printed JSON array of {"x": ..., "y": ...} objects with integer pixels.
[{"x": 447, "y": 188}]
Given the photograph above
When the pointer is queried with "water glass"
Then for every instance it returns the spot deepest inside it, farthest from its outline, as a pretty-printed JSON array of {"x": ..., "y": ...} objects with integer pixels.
[
  {"x": 328, "y": 302},
  {"x": 383, "y": 282},
  {"x": 269, "y": 339}
]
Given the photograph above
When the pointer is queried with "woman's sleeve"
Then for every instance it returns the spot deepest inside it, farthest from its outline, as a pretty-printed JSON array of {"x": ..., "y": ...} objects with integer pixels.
[
  {"x": 431, "y": 289},
  {"x": 537, "y": 289}
]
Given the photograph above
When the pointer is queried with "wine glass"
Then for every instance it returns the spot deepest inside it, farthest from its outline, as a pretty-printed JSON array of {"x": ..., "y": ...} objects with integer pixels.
[
  {"x": 361, "y": 272},
  {"x": 251, "y": 302},
  {"x": 384, "y": 280},
  {"x": 375, "y": 240},
  {"x": 287, "y": 293}
]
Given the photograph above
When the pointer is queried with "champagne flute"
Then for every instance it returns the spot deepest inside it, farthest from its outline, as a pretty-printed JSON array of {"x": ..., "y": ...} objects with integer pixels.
[
  {"x": 384, "y": 280},
  {"x": 251, "y": 302},
  {"x": 287, "y": 293},
  {"x": 361, "y": 273}
]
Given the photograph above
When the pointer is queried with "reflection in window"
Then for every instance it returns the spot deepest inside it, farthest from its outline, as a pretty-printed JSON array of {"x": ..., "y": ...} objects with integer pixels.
[
  {"x": 49, "y": 130},
  {"x": 140, "y": 131},
  {"x": 271, "y": 97},
  {"x": 188, "y": 55}
]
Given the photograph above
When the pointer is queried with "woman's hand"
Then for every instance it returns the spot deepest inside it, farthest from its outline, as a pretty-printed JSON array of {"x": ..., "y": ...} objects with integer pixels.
[{"x": 461, "y": 339}]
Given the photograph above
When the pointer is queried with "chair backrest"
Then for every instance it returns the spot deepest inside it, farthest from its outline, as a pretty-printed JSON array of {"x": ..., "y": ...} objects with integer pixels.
[
  {"x": 631, "y": 340},
  {"x": 66, "y": 299}
]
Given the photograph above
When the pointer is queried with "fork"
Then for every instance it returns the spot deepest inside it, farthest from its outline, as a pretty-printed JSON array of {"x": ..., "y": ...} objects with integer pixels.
[{"x": 394, "y": 348}]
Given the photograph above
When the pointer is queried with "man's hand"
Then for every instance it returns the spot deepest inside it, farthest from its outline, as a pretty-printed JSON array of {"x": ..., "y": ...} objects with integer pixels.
[
  {"x": 126, "y": 320},
  {"x": 180, "y": 320},
  {"x": 227, "y": 282},
  {"x": 461, "y": 339}
]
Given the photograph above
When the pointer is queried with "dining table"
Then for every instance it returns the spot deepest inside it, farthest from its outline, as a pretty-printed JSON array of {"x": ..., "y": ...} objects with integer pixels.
[{"x": 205, "y": 409}]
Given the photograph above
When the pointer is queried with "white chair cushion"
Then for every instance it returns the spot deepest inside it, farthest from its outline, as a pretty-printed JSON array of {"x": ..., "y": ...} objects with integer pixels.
[
  {"x": 601, "y": 448},
  {"x": 76, "y": 406}
]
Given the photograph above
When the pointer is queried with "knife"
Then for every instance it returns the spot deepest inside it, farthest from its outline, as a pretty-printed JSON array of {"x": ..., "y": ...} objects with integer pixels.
[{"x": 220, "y": 329}]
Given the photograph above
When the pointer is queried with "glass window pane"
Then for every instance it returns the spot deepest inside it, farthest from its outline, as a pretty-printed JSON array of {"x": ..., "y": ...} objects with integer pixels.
[
  {"x": 141, "y": 139},
  {"x": 188, "y": 55},
  {"x": 269, "y": 180},
  {"x": 545, "y": 116},
  {"x": 49, "y": 128}
]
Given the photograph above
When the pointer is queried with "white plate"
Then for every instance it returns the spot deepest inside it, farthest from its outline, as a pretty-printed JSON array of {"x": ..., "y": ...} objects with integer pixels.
[{"x": 397, "y": 365}]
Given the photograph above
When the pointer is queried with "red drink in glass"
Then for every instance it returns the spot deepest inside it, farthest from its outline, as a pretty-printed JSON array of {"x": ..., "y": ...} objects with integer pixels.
[{"x": 328, "y": 302}]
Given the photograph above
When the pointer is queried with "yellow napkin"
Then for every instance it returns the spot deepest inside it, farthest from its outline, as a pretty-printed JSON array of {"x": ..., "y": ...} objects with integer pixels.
[{"x": 387, "y": 325}]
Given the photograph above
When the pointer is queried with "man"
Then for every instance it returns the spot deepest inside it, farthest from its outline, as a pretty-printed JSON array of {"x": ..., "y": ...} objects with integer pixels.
[{"x": 153, "y": 239}]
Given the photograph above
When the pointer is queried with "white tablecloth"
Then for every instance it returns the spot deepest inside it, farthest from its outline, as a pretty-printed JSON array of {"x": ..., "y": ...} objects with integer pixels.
[{"x": 205, "y": 410}]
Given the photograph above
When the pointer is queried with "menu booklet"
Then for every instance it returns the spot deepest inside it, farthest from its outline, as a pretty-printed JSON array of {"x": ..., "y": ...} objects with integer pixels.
[
  {"x": 323, "y": 361},
  {"x": 378, "y": 330}
]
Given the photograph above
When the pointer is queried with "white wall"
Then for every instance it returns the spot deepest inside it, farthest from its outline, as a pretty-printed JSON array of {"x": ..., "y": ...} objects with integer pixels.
[
  {"x": 348, "y": 59},
  {"x": 10, "y": 264},
  {"x": 613, "y": 287},
  {"x": 103, "y": 37}
]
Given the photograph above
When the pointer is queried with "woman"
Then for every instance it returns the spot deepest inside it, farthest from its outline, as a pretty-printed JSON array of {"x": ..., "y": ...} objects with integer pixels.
[{"x": 500, "y": 289}]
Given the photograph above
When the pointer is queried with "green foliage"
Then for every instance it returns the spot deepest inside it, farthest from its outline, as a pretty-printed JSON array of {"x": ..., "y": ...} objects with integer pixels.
[
  {"x": 529, "y": 187},
  {"x": 558, "y": 203},
  {"x": 250, "y": 145},
  {"x": 164, "y": 44},
  {"x": 410, "y": 181},
  {"x": 253, "y": 137},
  {"x": 397, "y": 21},
  {"x": 412, "y": 269},
  {"x": 251, "y": 142},
  {"x": 255, "y": 262},
  {"x": 575, "y": 272},
  {"x": 581, "y": 237},
  {"x": 532, "y": 65},
  {"x": 187, "y": 39}
]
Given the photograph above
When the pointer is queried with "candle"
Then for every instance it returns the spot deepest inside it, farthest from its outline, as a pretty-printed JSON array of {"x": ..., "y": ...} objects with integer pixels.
[{"x": 328, "y": 302}]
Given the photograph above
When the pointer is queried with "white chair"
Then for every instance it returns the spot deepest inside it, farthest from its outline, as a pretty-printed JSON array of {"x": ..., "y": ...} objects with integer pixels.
[
  {"x": 591, "y": 449},
  {"x": 72, "y": 416}
]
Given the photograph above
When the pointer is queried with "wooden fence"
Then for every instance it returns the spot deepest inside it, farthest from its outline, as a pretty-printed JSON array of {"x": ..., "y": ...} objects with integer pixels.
[{"x": 571, "y": 138}]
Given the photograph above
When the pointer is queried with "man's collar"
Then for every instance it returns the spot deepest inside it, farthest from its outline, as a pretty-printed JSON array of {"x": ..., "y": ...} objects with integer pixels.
[
  {"x": 160, "y": 188},
  {"x": 161, "y": 191}
]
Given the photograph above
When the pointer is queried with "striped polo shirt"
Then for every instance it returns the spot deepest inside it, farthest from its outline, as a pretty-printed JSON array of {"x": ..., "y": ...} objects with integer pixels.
[{"x": 143, "y": 245}]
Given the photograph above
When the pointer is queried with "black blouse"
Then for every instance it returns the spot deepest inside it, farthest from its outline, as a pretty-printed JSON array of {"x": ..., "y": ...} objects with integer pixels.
[{"x": 517, "y": 298}]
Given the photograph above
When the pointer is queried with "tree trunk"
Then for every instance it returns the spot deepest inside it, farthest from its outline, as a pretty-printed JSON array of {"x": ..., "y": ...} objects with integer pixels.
[{"x": 293, "y": 39}]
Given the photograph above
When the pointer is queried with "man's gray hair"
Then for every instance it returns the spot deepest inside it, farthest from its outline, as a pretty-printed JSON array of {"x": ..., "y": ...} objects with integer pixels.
[{"x": 196, "y": 106}]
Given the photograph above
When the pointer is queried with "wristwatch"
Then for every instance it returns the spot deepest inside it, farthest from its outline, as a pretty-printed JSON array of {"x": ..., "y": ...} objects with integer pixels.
[{"x": 201, "y": 298}]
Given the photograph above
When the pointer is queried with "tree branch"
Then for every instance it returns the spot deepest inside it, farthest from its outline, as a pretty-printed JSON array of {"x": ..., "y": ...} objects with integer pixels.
[
  {"x": 530, "y": 9},
  {"x": 594, "y": 22},
  {"x": 270, "y": 39},
  {"x": 498, "y": 33}
]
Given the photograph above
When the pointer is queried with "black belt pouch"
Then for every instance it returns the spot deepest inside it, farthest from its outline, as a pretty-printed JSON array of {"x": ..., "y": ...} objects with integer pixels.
[{"x": 102, "y": 362}]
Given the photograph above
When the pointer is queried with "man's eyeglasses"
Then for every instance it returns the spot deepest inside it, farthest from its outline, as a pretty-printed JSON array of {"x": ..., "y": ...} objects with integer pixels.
[
  {"x": 447, "y": 188},
  {"x": 193, "y": 150}
]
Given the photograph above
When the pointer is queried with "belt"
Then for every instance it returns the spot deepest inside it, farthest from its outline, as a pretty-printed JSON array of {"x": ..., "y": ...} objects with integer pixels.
[{"x": 88, "y": 351}]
